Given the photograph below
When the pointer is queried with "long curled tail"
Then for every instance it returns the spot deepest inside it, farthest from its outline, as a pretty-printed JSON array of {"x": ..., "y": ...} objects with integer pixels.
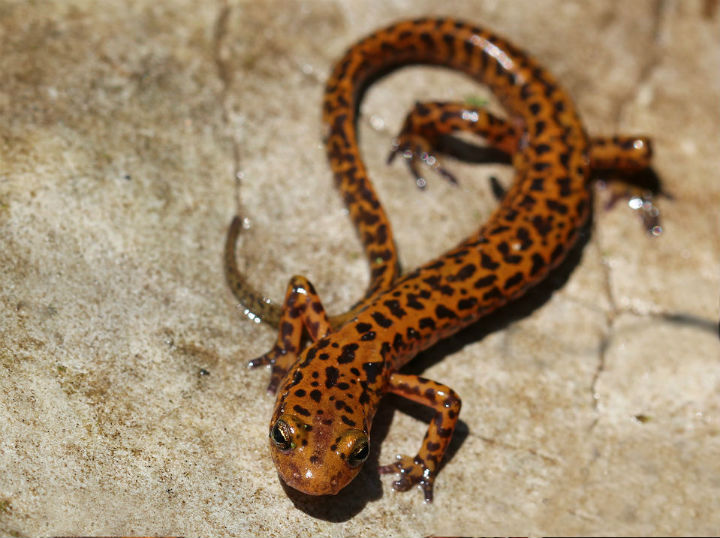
[{"x": 257, "y": 306}]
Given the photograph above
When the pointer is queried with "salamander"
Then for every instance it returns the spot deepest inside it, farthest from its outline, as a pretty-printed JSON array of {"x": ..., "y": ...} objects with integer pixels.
[{"x": 328, "y": 390}]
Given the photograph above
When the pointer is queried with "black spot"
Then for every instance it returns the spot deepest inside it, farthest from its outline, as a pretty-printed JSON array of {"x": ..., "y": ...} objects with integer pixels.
[
  {"x": 433, "y": 281},
  {"x": 348, "y": 353},
  {"x": 524, "y": 236},
  {"x": 447, "y": 290},
  {"x": 427, "y": 323},
  {"x": 499, "y": 229},
  {"x": 397, "y": 342},
  {"x": 381, "y": 320},
  {"x": 528, "y": 202},
  {"x": 580, "y": 207},
  {"x": 286, "y": 329},
  {"x": 494, "y": 293},
  {"x": 487, "y": 262},
  {"x": 463, "y": 274},
  {"x": 558, "y": 207},
  {"x": 372, "y": 370},
  {"x": 537, "y": 184},
  {"x": 395, "y": 308},
  {"x": 464, "y": 304},
  {"x": 412, "y": 302},
  {"x": 368, "y": 336},
  {"x": 441, "y": 312},
  {"x": 300, "y": 392},
  {"x": 542, "y": 225},
  {"x": 469, "y": 47},
  {"x": 331, "y": 376},
  {"x": 301, "y": 410},
  {"x": 297, "y": 377},
  {"x": 538, "y": 262},
  {"x": 540, "y": 149},
  {"x": 565, "y": 159},
  {"x": 564, "y": 184},
  {"x": 347, "y": 421},
  {"x": 412, "y": 333},
  {"x": 363, "y": 327},
  {"x": 427, "y": 39},
  {"x": 512, "y": 259},
  {"x": 421, "y": 109},
  {"x": 485, "y": 281},
  {"x": 388, "y": 48},
  {"x": 316, "y": 395},
  {"x": 513, "y": 280},
  {"x": 381, "y": 234}
]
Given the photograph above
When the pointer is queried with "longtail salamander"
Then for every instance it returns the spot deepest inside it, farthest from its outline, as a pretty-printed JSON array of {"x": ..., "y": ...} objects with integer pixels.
[{"x": 328, "y": 392}]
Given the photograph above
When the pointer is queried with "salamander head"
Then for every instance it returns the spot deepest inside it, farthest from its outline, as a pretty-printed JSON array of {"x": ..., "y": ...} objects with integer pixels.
[{"x": 319, "y": 455}]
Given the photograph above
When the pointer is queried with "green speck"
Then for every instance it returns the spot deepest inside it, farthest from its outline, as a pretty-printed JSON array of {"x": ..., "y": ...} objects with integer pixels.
[{"x": 476, "y": 100}]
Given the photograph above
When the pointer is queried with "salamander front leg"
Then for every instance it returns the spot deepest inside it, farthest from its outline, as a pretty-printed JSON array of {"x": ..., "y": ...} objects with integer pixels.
[
  {"x": 302, "y": 307},
  {"x": 423, "y": 468}
]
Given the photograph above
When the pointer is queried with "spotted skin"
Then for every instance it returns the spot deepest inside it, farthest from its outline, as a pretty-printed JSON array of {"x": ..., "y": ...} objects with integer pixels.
[{"x": 328, "y": 392}]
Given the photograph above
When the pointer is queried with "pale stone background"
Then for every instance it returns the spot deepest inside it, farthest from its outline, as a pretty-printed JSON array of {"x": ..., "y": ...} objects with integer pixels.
[{"x": 125, "y": 405}]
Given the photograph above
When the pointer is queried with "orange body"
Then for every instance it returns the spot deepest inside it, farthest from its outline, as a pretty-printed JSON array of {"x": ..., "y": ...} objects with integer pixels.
[{"x": 328, "y": 392}]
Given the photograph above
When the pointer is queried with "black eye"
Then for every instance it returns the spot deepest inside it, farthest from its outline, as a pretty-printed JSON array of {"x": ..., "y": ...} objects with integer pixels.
[
  {"x": 280, "y": 435},
  {"x": 359, "y": 453}
]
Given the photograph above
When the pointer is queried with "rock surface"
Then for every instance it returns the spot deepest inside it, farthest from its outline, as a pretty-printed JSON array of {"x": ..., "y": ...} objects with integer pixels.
[{"x": 131, "y": 132}]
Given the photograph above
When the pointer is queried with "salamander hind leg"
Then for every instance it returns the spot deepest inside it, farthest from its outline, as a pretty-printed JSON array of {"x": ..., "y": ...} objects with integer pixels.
[
  {"x": 302, "y": 308},
  {"x": 427, "y": 122},
  {"x": 626, "y": 161},
  {"x": 423, "y": 468}
]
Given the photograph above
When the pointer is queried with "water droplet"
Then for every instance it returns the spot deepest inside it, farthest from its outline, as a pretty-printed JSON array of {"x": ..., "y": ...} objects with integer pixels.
[{"x": 377, "y": 122}]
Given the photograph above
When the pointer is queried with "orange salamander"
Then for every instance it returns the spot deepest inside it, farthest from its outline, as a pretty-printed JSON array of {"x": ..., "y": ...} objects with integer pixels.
[{"x": 328, "y": 391}]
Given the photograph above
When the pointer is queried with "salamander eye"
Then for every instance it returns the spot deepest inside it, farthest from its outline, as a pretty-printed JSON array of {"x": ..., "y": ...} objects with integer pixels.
[
  {"x": 360, "y": 452},
  {"x": 280, "y": 435}
]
